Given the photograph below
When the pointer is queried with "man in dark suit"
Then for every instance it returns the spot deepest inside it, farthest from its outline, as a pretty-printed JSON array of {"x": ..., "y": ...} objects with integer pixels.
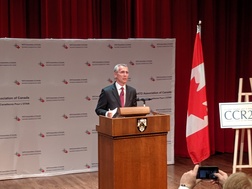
[{"x": 112, "y": 97}]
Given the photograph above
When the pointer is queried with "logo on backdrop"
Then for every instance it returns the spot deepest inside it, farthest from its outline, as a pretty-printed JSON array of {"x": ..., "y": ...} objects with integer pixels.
[
  {"x": 65, "y": 46},
  {"x": 17, "y": 46},
  {"x": 8, "y": 64},
  {"x": 110, "y": 46},
  {"x": 88, "y": 166},
  {"x": 152, "y": 79},
  {"x": 144, "y": 62},
  {"x": 18, "y": 154},
  {"x": 41, "y": 99},
  {"x": 8, "y": 172},
  {"x": 75, "y": 46},
  {"x": 88, "y": 98},
  {"x": 75, "y": 115},
  {"x": 88, "y": 132},
  {"x": 75, "y": 149},
  {"x": 28, "y": 153},
  {"x": 55, "y": 168},
  {"x": 165, "y": 44},
  {"x": 28, "y": 117},
  {"x": 88, "y": 64},
  {"x": 17, "y": 118},
  {"x": 52, "y": 99},
  {"x": 53, "y": 64},
  {"x": 161, "y": 78},
  {"x": 161, "y": 45},
  {"x": 17, "y": 82},
  {"x": 42, "y": 64},
  {"x": 28, "y": 82},
  {"x": 8, "y": 136},
  {"x": 131, "y": 63},
  {"x": 14, "y": 100},
  {"x": 31, "y": 152},
  {"x": 110, "y": 80},
  {"x": 41, "y": 170},
  {"x": 155, "y": 95},
  {"x": 55, "y": 134},
  {"x": 122, "y": 45},
  {"x": 28, "y": 46},
  {"x": 101, "y": 63},
  {"x": 75, "y": 81}
]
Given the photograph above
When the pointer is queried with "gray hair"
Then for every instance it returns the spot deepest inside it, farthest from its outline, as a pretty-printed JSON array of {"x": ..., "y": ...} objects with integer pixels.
[{"x": 116, "y": 68}]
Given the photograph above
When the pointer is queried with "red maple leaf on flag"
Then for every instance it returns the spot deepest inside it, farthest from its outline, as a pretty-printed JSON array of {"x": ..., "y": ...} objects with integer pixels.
[{"x": 196, "y": 100}]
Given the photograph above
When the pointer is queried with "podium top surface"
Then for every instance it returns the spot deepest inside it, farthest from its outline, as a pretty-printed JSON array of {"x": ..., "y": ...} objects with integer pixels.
[
  {"x": 137, "y": 125},
  {"x": 134, "y": 111}
]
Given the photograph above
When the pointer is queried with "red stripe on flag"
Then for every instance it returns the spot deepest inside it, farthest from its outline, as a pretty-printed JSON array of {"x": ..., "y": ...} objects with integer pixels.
[
  {"x": 198, "y": 145},
  {"x": 197, "y": 52}
]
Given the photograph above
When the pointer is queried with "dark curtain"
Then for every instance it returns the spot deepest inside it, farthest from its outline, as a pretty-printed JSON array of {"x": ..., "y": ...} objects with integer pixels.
[{"x": 226, "y": 38}]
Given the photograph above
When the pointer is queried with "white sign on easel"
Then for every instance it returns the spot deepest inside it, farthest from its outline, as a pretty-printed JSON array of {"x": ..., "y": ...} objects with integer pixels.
[{"x": 236, "y": 115}]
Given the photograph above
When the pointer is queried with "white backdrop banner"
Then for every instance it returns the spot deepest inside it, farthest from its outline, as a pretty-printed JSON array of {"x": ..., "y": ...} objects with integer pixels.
[{"x": 49, "y": 91}]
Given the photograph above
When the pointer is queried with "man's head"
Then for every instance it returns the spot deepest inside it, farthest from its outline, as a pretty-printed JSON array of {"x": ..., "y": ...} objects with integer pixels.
[
  {"x": 121, "y": 74},
  {"x": 238, "y": 180}
]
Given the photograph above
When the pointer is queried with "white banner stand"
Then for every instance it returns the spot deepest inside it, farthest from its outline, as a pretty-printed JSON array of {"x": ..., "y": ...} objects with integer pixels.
[
  {"x": 50, "y": 88},
  {"x": 237, "y": 133}
]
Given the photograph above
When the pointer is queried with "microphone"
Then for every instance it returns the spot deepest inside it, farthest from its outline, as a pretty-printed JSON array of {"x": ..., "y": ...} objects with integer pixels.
[{"x": 143, "y": 99}]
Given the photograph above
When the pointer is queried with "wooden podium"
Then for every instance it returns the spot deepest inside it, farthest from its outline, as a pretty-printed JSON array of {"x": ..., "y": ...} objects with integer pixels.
[{"x": 132, "y": 152}]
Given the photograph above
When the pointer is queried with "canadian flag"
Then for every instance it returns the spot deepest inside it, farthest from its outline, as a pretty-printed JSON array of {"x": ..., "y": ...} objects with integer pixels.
[{"x": 197, "y": 133}]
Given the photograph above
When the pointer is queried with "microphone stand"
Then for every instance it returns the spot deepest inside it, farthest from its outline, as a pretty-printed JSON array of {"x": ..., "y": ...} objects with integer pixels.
[{"x": 143, "y": 102}]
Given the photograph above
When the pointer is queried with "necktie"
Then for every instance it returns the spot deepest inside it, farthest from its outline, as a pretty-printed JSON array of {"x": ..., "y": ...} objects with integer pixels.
[{"x": 122, "y": 97}]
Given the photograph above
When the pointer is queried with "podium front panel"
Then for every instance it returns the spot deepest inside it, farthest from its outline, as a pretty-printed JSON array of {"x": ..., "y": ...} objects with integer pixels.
[{"x": 129, "y": 158}]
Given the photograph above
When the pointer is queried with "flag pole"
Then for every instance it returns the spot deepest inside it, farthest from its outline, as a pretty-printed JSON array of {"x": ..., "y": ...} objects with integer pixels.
[{"x": 199, "y": 27}]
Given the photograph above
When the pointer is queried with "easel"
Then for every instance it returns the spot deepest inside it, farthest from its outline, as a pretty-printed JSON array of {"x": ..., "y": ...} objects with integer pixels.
[{"x": 237, "y": 131}]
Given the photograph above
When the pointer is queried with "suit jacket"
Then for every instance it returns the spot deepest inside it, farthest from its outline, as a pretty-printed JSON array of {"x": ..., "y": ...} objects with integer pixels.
[{"x": 109, "y": 99}]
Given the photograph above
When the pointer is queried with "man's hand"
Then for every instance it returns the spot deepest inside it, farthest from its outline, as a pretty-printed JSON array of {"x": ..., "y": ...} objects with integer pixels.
[
  {"x": 222, "y": 176},
  {"x": 189, "y": 178}
]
